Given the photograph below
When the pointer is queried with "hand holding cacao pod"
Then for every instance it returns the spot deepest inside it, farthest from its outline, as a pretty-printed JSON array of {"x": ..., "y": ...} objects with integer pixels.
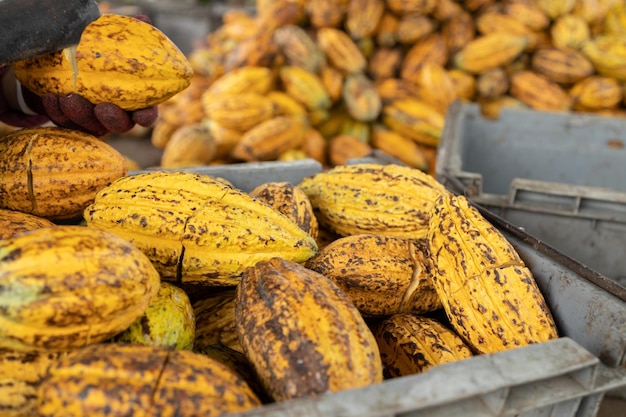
[
  {"x": 119, "y": 71},
  {"x": 75, "y": 112}
]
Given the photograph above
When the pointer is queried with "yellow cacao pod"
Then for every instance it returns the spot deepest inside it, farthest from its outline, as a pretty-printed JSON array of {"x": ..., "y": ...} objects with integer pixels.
[
  {"x": 434, "y": 86},
  {"x": 199, "y": 230},
  {"x": 116, "y": 379},
  {"x": 54, "y": 172},
  {"x": 458, "y": 31},
  {"x": 299, "y": 48},
  {"x": 363, "y": 16},
  {"x": 392, "y": 89},
  {"x": 489, "y": 295},
  {"x": 326, "y": 13},
  {"x": 290, "y": 200},
  {"x": 305, "y": 87},
  {"x": 20, "y": 376},
  {"x": 492, "y": 84},
  {"x": 361, "y": 198},
  {"x": 225, "y": 138},
  {"x": 314, "y": 145},
  {"x": 538, "y": 92},
  {"x": 332, "y": 81},
  {"x": 490, "y": 51},
  {"x": 361, "y": 98},
  {"x": 162, "y": 132},
  {"x": 215, "y": 321},
  {"x": 270, "y": 138},
  {"x": 411, "y": 344},
  {"x": 431, "y": 48},
  {"x": 556, "y": 8},
  {"x": 527, "y": 12},
  {"x": 596, "y": 93},
  {"x": 238, "y": 111},
  {"x": 382, "y": 275},
  {"x": 285, "y": 105},
  {"x": 386, "y": 32},
  {"x": 343, "y": 147},
  {"x": 488, "y": 23},
  {"x": 51, "y": 302},
  {"x": 119, "y": 60},
  {"x": 276, "y": 329},
  {"x": 385, "y": 63},
  {"x": 608, "y": 55},
  {"x": 189, "y": 145},
  {"x": 402, "y": 7},
  {"x": 341, "y": 51},
  {"x": 491, "y": 107},
  {"x": 169, "y": 321},
  {"x": 615, "y": 22},
  {"x": 247, "y": 79},
  {"x": 564, "y": 66},
  {"x": 413, "y": 27},
  {"x": 569, "y": 31},
  {"x": 464, "y": 83},
  {"x": 415, "y": 119},
  {"x": 13, "y": 223},
  {"x": 400, "y": 147}
]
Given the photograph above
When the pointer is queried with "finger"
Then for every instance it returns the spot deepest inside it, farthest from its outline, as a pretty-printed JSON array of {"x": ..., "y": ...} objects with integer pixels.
[
  {"x": 146, "y": 117},
  {"x": 113, "y": 117},
  {"x": 80, "y": 111}
]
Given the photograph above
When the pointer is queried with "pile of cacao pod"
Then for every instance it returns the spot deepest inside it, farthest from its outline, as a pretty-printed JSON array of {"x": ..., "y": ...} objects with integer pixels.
[
  {"x": 170, "y": 293},
  {"x": 381, "y": 73}
]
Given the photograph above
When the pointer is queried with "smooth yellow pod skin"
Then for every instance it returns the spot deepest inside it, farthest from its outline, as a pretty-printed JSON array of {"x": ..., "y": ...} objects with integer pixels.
[
  {"x": 119, "y": 59},
  {"x": 196, "y": 229},
  {"x": 69, "y": 286},
  {"x": 302, "y": 334},
  {"x": 169, "y": 321},
  {"x": 123, "y": 380},
  {"x": 489, "y": 295}
]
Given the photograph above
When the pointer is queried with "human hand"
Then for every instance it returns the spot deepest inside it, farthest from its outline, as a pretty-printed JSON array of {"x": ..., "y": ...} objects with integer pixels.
[{"x": 75, "y": 112}]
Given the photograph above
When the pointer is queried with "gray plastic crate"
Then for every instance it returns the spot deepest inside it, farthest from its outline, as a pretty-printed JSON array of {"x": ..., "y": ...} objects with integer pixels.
[
  {"x": 566, "y": 377},
  {"x": 560, "y": 176}
]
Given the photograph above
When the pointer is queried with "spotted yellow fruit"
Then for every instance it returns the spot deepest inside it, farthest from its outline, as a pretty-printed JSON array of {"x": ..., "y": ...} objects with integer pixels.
[
  {"x": 302, "y": 334},
  {"x": 20, "y": 376},
  {"x": 14, "y": 222},
  {"x": 168, "y": 321},
  {"x": 382, "y": 275},
  {"x": 411, "y": 344},
  {"x": 119, "y": 59},
  {"x": 123, "y": 380},
  {"x": 65, "y": 287},
  {"x": 392, "y": 199},
  {"x": 53, "y": 172},
  {"x": 489, "y": 294},
  {"x": 196, "y": 229}
]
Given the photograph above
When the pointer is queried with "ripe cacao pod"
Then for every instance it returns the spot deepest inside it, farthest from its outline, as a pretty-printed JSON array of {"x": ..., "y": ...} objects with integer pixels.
[
  {"x": 53, "y": 172},
  {"x": 122, "y": 380},
  {"x": 52, "y": 302},
  {"x": 119, "y": 60},
  {"x": 196, "y": 229},
  {"x": 296, "y": 353}
]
